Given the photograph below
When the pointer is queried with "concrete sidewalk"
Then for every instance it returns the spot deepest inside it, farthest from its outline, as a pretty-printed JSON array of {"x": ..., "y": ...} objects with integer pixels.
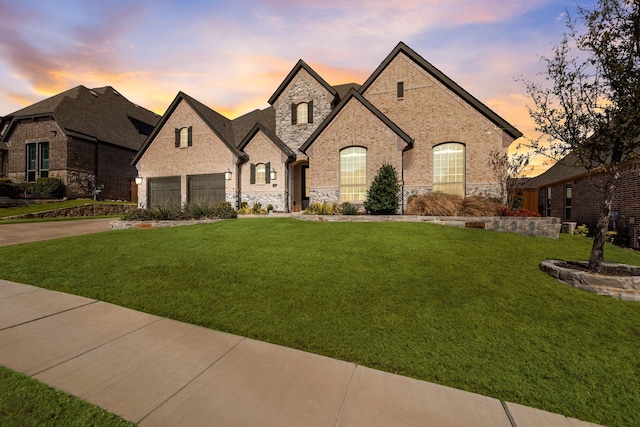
[{"x": 160, "y": 372}]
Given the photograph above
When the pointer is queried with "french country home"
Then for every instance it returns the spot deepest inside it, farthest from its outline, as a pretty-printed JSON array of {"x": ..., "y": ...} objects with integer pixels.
[{"x": 318, "y": 142}]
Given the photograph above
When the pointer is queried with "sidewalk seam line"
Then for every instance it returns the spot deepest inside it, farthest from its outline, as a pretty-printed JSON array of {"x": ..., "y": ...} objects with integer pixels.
[
  {"x": 506, "y": 410},
  {"x": 49, "y": 315},
  {"x": 194, "y": 378},
  {"x": 95, "y": 348},
  {"x": 346, "y": 395}
]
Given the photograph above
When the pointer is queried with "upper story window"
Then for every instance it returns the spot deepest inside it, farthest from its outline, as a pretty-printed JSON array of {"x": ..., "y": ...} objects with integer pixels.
[
  {"x": 448, "y": 168},
  {"x": 260, "y": 173},
  {"x": 302, "y": 113},
  {"x": 400, "y": 90},
  {"x": 353, "y": 174},
  {"x": 184, "y": 137},
  {"x": 37, "y": 161}
]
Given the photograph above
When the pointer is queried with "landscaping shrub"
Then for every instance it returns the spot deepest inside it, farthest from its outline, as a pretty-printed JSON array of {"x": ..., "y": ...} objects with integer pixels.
[
  {"x": 225, "y": 211},
  {"x": 46, "y": 188},
  {"x": 139, "y": 215},
  {"x": 9, "y": 189},
  {"x": 347, "y": 208},
  {"x": 200, "y": 210},
  {"x": 258, "y": 209},
  {"x": 244, "y": 208},
  {"x": 383, "y": 195},
  {"x": 478, "y": 206},
  {"x": 581, "y": 230},
  {"x": 434, "y": 204},
  {"x": 322, "y": 208},
  {"x": 167, "y": 213},
  {"x": 503, "y": 210}
]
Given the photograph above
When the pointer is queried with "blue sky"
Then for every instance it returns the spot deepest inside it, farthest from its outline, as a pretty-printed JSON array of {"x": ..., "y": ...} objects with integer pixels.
[{"x": 232, "y": 55}]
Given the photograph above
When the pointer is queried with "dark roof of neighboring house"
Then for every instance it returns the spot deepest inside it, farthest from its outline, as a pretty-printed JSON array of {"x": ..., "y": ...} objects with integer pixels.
[
  {"x": 358, "y": 96},
  {"x": 343, "y": 90},
  {"x": 566, "y": 169},
  {"x": 442, "y": 78},
  {"x": 99, "y": 114},
  {"x": 300, "y": 65}
]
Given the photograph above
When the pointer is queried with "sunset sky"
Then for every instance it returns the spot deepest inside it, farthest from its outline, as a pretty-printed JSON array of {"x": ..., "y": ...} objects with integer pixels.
[{"x": 232, "y": 55}]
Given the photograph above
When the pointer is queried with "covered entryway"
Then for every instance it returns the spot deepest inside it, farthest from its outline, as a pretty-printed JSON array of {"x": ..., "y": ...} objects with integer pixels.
[
  {"x": 206, "y": 189},
  {"x": 164, "y": 192},
  {"x": 299, "y": 186}
]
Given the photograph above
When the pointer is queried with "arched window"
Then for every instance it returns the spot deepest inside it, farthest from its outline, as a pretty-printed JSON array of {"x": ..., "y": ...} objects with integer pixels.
[
  {"x": 448, "y": 168},
  {"x": 353, "y": 174},
  {"x": 302, "y": 111},
  {"x": 184, "y": 137},
  {"x": 261, "y": 173}
]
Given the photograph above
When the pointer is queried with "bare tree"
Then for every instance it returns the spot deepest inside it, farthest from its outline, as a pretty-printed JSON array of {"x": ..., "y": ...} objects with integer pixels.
[
  {"x": 589, "y": 104},
  {"x": 507, "y": 169}
]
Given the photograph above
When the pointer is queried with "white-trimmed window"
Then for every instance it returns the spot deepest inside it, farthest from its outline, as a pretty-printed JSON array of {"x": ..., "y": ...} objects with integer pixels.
[
  {"x": 448, "y": 168},
  {"x": 353, "y": 174}
]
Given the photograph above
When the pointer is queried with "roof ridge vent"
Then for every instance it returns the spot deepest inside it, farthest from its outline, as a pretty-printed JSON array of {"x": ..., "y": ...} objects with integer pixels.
[{"x": 93, "y": 93}]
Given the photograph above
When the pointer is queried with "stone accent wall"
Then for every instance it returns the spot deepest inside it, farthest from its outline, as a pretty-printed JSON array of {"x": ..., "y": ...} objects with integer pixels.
[
  {"x": 208, "y": 154},
  {"x": 544, "y": 227},
  {"x": 303, "y": 88},
  {"x": 90, "y": 209},
  {"x": 328, "y": 195},
  {"x": 355, "y": 125},
  {"x": 432, "y": 114},
  {"x": 262, "y": 150}
]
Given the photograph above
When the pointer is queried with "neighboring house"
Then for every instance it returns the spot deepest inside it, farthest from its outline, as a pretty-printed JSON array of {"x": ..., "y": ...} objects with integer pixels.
[
  {"x": 566, "y": 191},
  {"x": 319, "y": 142},
  {"x": 86, "y": 137}
]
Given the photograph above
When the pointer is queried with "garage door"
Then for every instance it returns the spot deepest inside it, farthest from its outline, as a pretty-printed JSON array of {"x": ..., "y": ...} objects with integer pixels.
[
  {"x": 164, "y": 192},
  {"x": 206, "y": 189}
]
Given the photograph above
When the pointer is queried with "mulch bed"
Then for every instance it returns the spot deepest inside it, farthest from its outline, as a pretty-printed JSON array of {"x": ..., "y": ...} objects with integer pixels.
[{"x": 607, "y": 269}]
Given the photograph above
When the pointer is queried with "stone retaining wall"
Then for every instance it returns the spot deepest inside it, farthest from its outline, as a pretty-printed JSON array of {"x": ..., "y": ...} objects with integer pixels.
[
  {"x": 529, "y": 226},
  {"x": 89, "y": 209},
  {"x": 127, "y": 225}
]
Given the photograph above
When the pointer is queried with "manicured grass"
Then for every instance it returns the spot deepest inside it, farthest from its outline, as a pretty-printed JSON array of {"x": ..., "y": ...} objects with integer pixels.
[
  {"x": 465, "y": 308},
  {"x": 41, "y": 207},
  {"x": 25, "y": 402}
]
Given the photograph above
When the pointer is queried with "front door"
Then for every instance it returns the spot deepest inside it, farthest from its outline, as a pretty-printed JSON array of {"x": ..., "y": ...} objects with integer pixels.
[{"x": 305, "y": 187}]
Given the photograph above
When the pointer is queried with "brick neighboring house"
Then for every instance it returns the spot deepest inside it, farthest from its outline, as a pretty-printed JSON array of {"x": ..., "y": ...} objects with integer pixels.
[
  {"x": 319, "y": 142},
  {"x": 86, "y": 137},
  {"x": 566, "y": 192}
]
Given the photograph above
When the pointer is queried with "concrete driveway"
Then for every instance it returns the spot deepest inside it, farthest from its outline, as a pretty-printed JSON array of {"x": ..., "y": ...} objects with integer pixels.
[{"x": 14, "y": 234}]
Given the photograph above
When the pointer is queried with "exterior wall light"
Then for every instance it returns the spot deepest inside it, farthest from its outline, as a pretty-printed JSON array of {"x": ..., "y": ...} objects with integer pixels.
[
  {"x": 138, "y": 180},
  {"x": 227, "y": 175},
  {"x": 273, "y": 175}
]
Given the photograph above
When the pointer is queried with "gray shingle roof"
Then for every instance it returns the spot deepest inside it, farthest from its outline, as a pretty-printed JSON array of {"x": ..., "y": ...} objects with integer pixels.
[
  {"x": 566, "y": 169},
  {"x": 101, "y": 114}
]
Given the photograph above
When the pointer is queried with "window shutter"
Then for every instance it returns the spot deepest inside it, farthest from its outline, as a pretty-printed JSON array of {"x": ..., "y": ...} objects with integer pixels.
[
  {"x": 190, "y": 137},
  {"x": 310, "y": 113},
  {"x": 294, "y": 114},
  {"x": 177, "y": 138},
  {"x": 252, "y": 174},
  {"x": 267, "y": 173}
]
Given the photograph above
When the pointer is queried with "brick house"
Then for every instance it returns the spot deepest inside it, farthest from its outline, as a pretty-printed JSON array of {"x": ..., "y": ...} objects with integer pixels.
[
  {"x": 566, "y": 192},
  {"x": 86, "y": 137},
  {"x": 318, "y": 142}
]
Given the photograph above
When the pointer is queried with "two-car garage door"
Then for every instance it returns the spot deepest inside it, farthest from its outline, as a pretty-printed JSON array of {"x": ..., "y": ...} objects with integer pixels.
[{"x": 207, "y": 189}]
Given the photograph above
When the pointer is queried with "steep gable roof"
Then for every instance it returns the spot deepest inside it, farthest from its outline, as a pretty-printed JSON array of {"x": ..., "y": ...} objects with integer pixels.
[
  {"x": 296, "y": 69},
  {"x": 258, "y": 127},
  {"x": 358, "y": 96},
  {"x": 245, "y": 123},
  {"x": 219, "y": 124},
  {"x": 442, "y": 78},
  {"x": 100, "y": 114}
]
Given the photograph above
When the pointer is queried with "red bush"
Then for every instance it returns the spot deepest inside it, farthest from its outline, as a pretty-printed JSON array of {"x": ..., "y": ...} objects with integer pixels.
[{"x": 502, "y": 210}]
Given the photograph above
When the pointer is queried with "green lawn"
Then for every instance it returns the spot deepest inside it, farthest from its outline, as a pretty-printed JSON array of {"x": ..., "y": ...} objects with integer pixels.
[
  {"x": 466, "y": 308},
  {"x": 25, "y": 402}
]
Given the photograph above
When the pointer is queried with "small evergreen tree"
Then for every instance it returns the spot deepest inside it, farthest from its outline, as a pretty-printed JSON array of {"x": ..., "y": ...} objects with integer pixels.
[{"x": 383, "y": 195}]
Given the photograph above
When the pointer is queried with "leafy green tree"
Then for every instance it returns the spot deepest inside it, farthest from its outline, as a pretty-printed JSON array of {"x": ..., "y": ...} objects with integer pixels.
[
  {"x": 384, "y": 194},
  {"x": 589, "y": 103}
]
